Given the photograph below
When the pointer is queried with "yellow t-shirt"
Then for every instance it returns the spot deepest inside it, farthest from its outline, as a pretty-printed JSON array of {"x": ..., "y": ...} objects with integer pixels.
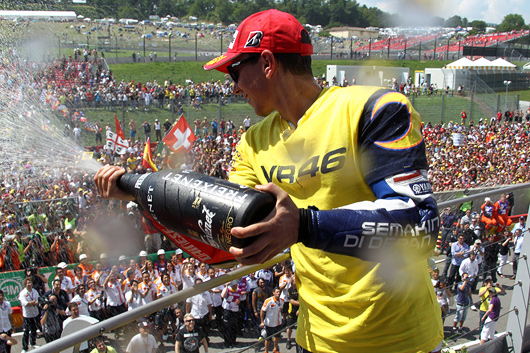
[
  {"x": 485, "y": 298},
  {"x": 346, "y": 304}
]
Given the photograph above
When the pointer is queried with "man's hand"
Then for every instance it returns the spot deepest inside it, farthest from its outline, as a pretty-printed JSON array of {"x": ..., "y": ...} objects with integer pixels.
[
  {"x": 105, "y": 180},
  {"x": 275, "y": 233}
]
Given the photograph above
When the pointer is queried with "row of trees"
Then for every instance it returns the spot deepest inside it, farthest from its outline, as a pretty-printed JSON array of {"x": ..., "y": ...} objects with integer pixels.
[{"x": 328, "y": 13}]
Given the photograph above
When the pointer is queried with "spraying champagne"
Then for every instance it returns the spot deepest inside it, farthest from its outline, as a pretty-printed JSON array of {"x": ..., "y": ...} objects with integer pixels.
[{"x": 199, "y": 206}]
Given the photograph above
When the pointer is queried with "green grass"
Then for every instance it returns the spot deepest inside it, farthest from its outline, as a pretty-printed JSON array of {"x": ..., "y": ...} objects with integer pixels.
[
  {"x": 179, "y": 72},
  {"x": 235, "y": 112}
]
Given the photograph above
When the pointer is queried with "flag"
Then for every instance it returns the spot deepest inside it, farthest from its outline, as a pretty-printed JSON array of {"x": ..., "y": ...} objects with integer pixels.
[
  {"x": 92, "y": 127},
  {"x": 180, "y": 136},
  {"x": 119, "y": 130},
  {"x": 115, "y": 143},
  {"x": 86, "y": 156},
  {"x": 147, "y": 162}
]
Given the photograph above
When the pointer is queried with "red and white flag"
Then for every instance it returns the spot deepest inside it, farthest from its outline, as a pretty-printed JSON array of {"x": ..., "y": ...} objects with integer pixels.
[
  {"x": 180, "y": 136},
  {"x": 115, "y": 143}
]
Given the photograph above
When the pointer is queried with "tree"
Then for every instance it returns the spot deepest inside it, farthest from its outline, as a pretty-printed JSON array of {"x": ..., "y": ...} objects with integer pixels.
[
  {"x": 454, "y": 21},
  {"x": 478, "y": 26},
  {"x": 511, "y": 22}
]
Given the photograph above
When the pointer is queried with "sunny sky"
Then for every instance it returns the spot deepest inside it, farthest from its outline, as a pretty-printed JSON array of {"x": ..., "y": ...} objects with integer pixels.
[{"x": 491, "y": 11}]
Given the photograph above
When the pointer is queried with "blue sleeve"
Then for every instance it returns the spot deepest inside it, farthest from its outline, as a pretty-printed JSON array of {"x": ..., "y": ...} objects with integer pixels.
[
  {"x": 404, "y": 216},
  {"x": 372, "y": 231}
]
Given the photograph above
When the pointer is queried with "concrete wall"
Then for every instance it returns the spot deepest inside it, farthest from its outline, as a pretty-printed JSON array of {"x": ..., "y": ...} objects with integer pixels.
[{"x": 367, "y": 75}]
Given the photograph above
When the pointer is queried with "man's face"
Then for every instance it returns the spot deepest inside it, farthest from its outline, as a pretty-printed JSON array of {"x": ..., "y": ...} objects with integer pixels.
[
  {"x": 190, "y": 323},
  {"x": 56, "y": 286},
  {"x": 178, "y": 313},
  {"x": 59, "y": 273},
  {"x": 460, "y": 240},
  {"x": 276, "y": 294},
  {"x": 250, "y": 84},
  {"x": 1, "y": 298},
  {"x": 101, "y": 347},
  {"x": 75, "y": 311}
]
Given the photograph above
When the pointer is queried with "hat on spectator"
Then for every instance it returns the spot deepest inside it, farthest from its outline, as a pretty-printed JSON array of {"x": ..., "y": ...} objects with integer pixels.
[
  {"x": 478, "y": 241},
  {"x": 61, "y": 265},
  {"x": 103, "y": 256},
  {"x": 178, "y": 251},
  {"x": 122, "y": 258},
  {"x": 143, "y": 253},
  {"x": 82, "y": 257},
  {"x": 161, "y": 252},
  {"x": 272, "y": 30},
  {"x": 487, "y": 199}
]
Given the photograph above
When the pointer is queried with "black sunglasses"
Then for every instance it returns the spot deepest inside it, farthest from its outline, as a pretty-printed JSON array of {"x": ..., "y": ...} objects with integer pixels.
[
  {"x": 234, "y": 74},
  {"x": 191, "y": 320}
]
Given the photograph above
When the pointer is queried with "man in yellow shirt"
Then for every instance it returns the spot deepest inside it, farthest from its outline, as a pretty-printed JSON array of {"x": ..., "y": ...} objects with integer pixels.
[
  {"x": 348, "y": 169},
  {"x": 484, "y": 295}
]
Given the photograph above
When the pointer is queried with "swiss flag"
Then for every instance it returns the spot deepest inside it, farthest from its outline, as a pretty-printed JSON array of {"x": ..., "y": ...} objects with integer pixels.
[{"x": 180, "y": 136}]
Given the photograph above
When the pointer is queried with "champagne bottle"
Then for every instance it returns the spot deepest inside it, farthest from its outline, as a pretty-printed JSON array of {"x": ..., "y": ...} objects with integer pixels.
[{"x": 199, "y": 206}]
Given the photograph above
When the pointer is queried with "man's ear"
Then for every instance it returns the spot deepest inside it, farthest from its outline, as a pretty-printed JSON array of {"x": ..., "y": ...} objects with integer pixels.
[{"x": 270, "y": 64}]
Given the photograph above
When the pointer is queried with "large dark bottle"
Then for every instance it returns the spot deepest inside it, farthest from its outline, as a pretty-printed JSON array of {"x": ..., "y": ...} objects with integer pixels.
[{"x": 199, "y": 206}]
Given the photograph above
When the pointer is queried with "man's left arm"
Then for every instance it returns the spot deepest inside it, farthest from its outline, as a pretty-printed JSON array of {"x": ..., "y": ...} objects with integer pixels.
[{"x": 394, "y": 164}]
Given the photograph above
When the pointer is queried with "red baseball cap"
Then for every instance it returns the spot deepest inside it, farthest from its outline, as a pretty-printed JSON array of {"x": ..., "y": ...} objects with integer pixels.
[{"x": 274, "y": 30}]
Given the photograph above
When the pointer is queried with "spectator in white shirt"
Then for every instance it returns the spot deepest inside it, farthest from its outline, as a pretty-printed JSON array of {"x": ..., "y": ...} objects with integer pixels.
[
  {"x": 28, "y": 298},
  {"x": 200, "y": 307},
  {"x": 6, "y": 318}
]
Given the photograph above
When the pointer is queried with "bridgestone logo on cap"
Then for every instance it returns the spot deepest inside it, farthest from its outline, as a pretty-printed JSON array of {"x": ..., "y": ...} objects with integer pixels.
[{"x": 254, "y": 39}]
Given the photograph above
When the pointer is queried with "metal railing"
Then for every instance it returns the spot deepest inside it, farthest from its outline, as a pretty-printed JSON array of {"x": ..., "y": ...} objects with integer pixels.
[{"x": 145, "y": 310}]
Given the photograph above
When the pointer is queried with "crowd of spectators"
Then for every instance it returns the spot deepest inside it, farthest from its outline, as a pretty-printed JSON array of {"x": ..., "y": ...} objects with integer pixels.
[{"x": 54, "y": 216}]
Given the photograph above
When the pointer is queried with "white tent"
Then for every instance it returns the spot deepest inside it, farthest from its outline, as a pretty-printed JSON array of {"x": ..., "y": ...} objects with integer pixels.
[
  {"x": 462, "y": 63},
  {"x": 502, "y": 64},
  {"x": 482, "y": 64}
]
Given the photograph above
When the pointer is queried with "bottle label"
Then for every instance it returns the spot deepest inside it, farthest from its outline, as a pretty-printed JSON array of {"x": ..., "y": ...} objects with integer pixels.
[{"x": 140, "y": 181}]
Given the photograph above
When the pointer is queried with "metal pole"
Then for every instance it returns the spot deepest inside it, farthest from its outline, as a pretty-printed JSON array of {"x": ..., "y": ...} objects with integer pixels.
[
  {"x": 370, "y": 47},
  {"x": 195, "y": 46},
  {"x": 506, "y": 99},
  {"x": 447, "y": 55},
  {"x": 157, "y": 305},
  {"x": 351, "y": 48},
  {"x": 144, "y": 47},
  {"x": 434, "y": 55},
  {"x": 405, "y": 52},
  {"x": 419, "y": 53},
  {"x": 331, "y": 45},
  {"x": 169, "y": 55},
  {"x": 442, "y": 112},
  {"x": 517, "y": 319},
  {"x": 116, "y": 49},
  {"x": 388, "y": 50}
]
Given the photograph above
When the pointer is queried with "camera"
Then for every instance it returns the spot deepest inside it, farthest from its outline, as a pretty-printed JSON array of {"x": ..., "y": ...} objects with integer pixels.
[{"x": 43, "y": 301}]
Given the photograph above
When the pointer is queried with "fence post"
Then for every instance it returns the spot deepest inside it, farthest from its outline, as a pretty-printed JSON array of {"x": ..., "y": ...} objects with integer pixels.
[
  {"x": 498, "y": 103},
  {"x": 518, "y": 102},
  {"x": 443, "y": 107},
  {"x": 471, "y": 107}
]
